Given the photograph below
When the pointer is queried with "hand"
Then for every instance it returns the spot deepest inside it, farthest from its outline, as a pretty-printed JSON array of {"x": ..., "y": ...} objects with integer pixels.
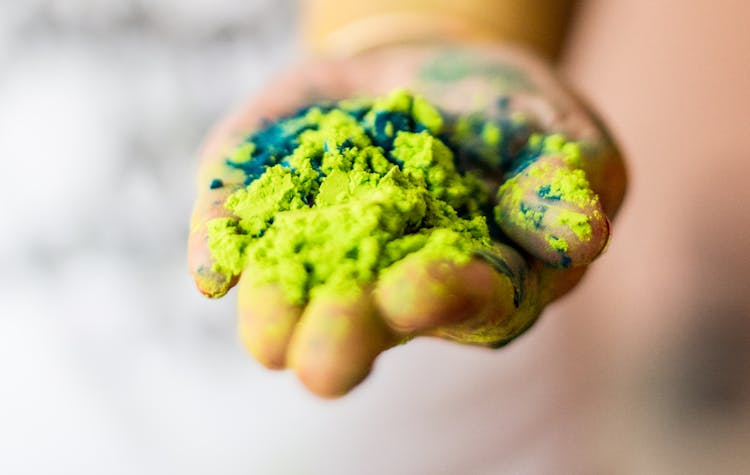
[{"x": 332, "y": 342}]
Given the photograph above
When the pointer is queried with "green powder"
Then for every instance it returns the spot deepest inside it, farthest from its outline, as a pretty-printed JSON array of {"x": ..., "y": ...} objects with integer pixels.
[
  {"x": 576, "y": 222},
  {"x": 338, "y": 193},
  {"x": 343, "y": 195}
]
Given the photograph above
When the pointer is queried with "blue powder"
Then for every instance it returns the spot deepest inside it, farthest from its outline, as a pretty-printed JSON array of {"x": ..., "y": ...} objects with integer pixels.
[{"x": 545, "y": 191}]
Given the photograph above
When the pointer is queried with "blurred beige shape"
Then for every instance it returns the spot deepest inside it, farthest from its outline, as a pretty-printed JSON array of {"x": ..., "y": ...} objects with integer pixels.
[
  {"x": 343, "y": 27},
  {"x": 661, "y": 326},
  {"x": 646, "y": 367}
]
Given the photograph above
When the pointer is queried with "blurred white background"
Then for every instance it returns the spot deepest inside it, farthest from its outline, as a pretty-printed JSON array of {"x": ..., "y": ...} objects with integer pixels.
[{"x": 111, "y": 362}]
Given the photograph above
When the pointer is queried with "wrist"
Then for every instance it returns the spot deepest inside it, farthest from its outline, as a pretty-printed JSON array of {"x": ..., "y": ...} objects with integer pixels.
[
  {"x": 345, "y": 28},
  {"x": 387, "y": 29}
]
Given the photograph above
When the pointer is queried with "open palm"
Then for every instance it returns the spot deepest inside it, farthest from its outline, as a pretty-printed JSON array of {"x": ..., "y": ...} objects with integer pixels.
[{"x": 332, "y": 341}]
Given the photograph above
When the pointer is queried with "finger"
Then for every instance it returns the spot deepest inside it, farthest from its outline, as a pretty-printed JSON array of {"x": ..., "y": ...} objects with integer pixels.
[
  {"x": 415, "y": 294},
  {"x": 554, "y": 283},
  {"x": 608, "y": 177},
  {"x": 217, "y": 178},
  {"x": 550, "y": 210},
  {"x": 336, "y": 342},
  {"x": 520, "y": 84},
  {"x": 208, "y": 206},
  {"x": 492, "y": 329},
  {"x": 266, "y": 322}
]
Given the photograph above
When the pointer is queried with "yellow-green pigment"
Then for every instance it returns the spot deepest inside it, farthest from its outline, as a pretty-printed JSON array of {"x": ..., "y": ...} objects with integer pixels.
[
  {"x": 337, "y": 193},
  {"x": 358, "y": 187}
]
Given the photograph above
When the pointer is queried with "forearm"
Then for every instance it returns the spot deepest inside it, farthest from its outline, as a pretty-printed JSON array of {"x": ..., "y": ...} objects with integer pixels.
[{"x": 345, "y": 27}]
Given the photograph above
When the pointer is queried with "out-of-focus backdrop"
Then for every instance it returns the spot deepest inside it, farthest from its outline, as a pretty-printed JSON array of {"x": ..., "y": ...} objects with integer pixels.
[{"x": 111, "y": 362}]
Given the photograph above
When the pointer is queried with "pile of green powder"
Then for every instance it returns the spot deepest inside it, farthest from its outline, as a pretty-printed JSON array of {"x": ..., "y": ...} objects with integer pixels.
[{"x": 338, "y": 193}]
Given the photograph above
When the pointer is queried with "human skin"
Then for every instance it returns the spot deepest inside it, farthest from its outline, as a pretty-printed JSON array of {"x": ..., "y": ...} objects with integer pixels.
[{"x": 471, "y": 299}]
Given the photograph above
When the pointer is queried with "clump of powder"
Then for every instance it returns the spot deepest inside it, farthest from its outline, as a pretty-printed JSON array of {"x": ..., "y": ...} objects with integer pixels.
[{"x": 336, "y": 194}]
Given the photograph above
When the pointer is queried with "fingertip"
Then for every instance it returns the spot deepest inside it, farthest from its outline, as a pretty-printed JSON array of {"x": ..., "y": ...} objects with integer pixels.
[
  {"x": 208, "y": 279},
  {"x": 266, "y": 321},
  {"x": 417, "y": 295},
  {"x": 581, "y": 247},
  {"x": 336, "y": 343},
  {"x": 211, "y": 283},
  {"x": 493, "y": 328},
  {"x": 551, "y": 212}
]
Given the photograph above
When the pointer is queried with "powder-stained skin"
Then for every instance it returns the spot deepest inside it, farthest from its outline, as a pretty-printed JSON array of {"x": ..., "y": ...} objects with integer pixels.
[{"x": 337, "y": 193}]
